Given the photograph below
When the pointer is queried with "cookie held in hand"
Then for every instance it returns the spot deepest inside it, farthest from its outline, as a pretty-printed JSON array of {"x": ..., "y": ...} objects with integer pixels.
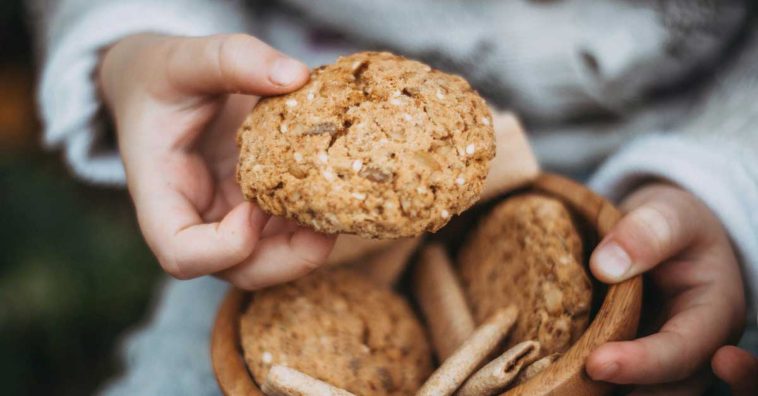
[
  {"x": 375, "y": 145},
  {"x": 338, "y": 327}
]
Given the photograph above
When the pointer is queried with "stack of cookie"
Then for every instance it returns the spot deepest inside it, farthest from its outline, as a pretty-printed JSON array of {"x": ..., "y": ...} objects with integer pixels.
[{"x": 382, "y": 148}]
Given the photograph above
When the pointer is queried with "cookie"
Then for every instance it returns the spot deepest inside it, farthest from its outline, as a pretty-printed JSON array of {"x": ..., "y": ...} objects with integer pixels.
[
  {"x": 375, "y": 145},
  {"x": 528, "y": 252},
  {"x": 338, "y": 327}
]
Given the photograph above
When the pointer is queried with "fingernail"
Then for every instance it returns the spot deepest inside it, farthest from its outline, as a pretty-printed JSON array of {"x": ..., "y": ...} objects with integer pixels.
[
  {"x": 606, "y": 371},
  {"x": 613, "y": 261},
  {"x": 285, "y": 71}
]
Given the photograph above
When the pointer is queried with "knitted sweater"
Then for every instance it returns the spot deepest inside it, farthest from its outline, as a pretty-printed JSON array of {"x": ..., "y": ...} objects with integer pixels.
[
  {"x": 659, "y": 88},
  {"x": 643, "y": 89}
]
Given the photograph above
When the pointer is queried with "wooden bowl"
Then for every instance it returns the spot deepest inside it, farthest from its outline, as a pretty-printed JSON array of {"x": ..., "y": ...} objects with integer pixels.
[{"x": 615, "y": 319}]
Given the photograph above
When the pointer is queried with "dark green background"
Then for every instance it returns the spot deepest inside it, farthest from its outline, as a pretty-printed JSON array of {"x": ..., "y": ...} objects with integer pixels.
[{"x": 74, "y": 271}]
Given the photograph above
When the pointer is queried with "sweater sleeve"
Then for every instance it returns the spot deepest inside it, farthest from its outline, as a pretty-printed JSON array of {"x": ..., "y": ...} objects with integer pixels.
[
  {"x": 714, "y": 155},
  {"x": 71, "y": 34}
]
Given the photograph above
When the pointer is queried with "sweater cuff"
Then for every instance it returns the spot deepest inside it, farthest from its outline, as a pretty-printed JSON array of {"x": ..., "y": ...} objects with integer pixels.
[
  {"x": 709, "y": 172},
  {"x": 68, "y": 98}
]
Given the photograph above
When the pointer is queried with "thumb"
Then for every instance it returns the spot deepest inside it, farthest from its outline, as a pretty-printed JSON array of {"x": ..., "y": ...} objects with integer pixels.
[
  {"x": 662, "y": 225},
  {"x": 235, "y": 63}
]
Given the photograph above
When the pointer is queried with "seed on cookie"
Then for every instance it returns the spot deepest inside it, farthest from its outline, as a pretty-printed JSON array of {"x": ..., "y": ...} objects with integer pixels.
[
  {"x": 291, "y": 103},
  {"x": 359, "y": 196},
  {"x": 485, "y": 121},
  {"x": 267, "y": 358},
  {"x": 357, "y": 165},
  {"x": 440, "y": 95},
  {"x": 323, "y": 157},
  {"x": 471, "y": 149},
  {"x": 328, "y": 175},
  {"x": 283, "y": 128},
  {"x": 444, "y": 214},
  {"x": 298, "y": 157},
  {"x": 460, "y": 180}
]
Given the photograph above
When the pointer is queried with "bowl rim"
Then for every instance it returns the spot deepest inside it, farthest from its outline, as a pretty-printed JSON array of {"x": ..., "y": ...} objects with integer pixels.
[{"x": 616, "y": 319}]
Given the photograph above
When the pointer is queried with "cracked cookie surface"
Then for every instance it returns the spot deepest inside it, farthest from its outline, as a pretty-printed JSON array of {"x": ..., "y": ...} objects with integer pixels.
[
  {"x": 527, "y": 251},
  {"x": 375, "y": 145},
  {"x": 340, "y": 328}
]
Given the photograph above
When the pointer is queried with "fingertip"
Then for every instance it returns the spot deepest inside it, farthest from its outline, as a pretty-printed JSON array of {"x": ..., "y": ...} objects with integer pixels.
[
  {"x": 316, "y": 246},
  {"x": 731, "y": 364},
  {"x": 283, "y": 73},
  {"x": 241, "y": 229},
  {"x": 258, "y": 218},
  {"x": 601, "y": 364},
  {"x": 610, "y": 263},
  {"x": 233, "y": 63},
  {"x": 286, "y": 72}
]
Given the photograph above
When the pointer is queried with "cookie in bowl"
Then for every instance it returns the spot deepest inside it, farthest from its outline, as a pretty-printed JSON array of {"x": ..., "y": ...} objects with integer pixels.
[
  {"x": 340, "y": 328},
  {"x": 375, "y": 145},
  {"x": 527, "y": 251}
]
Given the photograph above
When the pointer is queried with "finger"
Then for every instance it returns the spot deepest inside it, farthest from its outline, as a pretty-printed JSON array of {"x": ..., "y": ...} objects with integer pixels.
[
  {"x": 684, "y": 343},
  {"x": 694, "y": 385},
  {"x": 235, "y": 63},
  {"x": 738, "y": 368},
  {"x": 281, "y": 258},
  {"x": 279, "y": 225},
  {"x": 646, "y": 236},
  {"x": 185, "y": 246}
]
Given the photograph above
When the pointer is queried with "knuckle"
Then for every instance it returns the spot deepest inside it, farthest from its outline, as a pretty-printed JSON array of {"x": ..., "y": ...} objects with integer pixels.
[
  {"x": 226, "y": 48},
  {"x": 221, "y": 56},
  {"x": 682, "y": 358},
  {"x": 172, "y": 267},
  {"x": 657, "y": 226}
]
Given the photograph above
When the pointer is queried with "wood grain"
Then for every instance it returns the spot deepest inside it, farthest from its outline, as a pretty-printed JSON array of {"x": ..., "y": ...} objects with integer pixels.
[{"x": 226, "y": 355}]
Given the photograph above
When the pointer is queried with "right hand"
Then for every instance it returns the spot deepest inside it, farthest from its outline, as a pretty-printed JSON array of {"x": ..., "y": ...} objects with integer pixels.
[{"x": 177, "y": 103}]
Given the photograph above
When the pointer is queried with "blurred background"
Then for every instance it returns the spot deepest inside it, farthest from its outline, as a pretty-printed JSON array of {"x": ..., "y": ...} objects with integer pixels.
[{"x": 74, "y": 271}]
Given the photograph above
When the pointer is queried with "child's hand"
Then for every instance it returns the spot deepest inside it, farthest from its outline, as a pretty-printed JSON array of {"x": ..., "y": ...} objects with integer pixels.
[
  {"x": 176, "y": 118},
  {"x": 675, "y": 237}
]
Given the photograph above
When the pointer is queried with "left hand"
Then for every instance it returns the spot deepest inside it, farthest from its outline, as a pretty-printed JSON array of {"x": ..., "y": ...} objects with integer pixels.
[{"x": 674, "y": 238}]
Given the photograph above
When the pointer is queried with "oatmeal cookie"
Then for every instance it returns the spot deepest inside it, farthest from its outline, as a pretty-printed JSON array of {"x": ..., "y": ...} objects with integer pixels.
[
  {"x": 528, "y": 252},
  {"x": 375, "y": 145},
  {"x": 338, "y": 327}
]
